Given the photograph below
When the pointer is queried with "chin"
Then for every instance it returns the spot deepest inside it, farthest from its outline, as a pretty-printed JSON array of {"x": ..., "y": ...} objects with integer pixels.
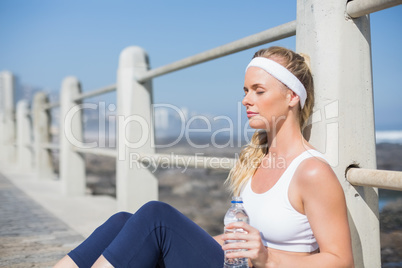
[{"x": 258, "y": 124}]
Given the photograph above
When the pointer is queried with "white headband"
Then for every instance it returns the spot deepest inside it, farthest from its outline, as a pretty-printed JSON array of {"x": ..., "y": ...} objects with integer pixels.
[{"x": 282, "y": 74}]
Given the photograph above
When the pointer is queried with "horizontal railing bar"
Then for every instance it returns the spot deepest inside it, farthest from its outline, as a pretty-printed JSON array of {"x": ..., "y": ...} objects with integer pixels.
[
  {"x": 97, "y": 151},
  {"x": 51, "y": 105},
  {"x": 205, "y": 162},
  {"x": 270, "y": 35},
  {"x": 385, "y": 179},
  {"x": 96, "y": 92},
  {"x": 358, "y": 8},
  {"x": 51, "y": 146},
  {"x": 85, "y": 95}
]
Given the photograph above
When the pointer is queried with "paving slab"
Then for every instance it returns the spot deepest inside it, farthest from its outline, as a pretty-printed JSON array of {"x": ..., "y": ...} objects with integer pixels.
[
  {"x": 81, "y": 213},
  {"x": 30, "y": 236},
  {"x": 38, "y": 224}
]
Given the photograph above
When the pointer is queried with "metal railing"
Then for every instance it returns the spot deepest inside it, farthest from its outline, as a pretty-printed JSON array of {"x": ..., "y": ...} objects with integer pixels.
[
  {"x": 264, "y": 37},
  {"x": 385, "y": 179},
  {"x": 96, "y": 92},
  {"x": 367, "y": 177},
  {"x": 358, "y": 8}
]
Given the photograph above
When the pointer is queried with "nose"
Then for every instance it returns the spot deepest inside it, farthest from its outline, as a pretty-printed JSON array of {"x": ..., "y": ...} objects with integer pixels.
[{"x": 247, "y": 100}]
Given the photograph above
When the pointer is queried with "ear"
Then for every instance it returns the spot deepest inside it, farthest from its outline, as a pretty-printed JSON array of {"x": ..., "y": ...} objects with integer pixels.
[{"x": 294, "y": 99}]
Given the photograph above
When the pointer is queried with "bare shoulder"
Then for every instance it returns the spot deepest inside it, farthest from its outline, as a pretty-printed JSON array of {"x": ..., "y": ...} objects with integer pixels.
[
  {"x": 316, "y": 174},
  {"x": 319, "y": 191}
]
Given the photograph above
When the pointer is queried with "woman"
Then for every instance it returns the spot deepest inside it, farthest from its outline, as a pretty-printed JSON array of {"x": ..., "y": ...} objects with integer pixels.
[{"x": 296, "y": 205}]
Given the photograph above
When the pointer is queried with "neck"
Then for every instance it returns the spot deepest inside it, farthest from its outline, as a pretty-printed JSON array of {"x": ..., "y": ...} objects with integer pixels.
[{"x": 286, "y": 140}]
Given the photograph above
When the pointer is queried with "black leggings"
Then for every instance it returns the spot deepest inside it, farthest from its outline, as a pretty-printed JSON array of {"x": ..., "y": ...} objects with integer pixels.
[{"x": 157, "y": 235}]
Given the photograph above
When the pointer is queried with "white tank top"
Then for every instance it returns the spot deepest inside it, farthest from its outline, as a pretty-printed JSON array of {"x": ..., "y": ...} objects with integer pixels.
[{"x": 280, "y": 225}]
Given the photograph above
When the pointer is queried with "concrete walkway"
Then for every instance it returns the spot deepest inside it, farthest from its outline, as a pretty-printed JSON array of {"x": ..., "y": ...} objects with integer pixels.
[{"x": 38, "y": 225}]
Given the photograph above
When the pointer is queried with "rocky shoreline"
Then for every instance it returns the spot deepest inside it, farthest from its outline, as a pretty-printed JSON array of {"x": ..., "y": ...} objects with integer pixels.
[
  {"x": 389, "y": 158},
  {"x": 391, "y": 233}
]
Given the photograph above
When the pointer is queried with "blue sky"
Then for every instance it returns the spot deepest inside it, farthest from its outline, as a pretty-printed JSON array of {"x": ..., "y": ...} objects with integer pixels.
[{"x": 44, "y": 41}]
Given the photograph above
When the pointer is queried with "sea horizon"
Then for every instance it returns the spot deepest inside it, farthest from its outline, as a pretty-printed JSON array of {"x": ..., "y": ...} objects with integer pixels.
[
  {"x": 381, "y": 136},
  {"x": 388, "y": 136}
]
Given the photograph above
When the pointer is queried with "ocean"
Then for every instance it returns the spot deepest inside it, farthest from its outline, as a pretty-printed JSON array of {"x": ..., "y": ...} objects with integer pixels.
[{"x": 389, "y": 136}]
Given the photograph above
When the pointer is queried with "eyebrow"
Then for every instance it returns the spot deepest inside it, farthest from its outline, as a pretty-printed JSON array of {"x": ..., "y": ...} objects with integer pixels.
[{"x": 253, "y": 86}]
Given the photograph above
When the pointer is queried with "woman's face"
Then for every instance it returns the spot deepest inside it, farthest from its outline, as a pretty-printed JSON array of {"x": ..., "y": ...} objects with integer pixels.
[{"x": 266, "y": 99}]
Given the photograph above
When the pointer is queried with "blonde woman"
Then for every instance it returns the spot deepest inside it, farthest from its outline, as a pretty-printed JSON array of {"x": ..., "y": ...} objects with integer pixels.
[
  {"x": 297, "y": 209},
  {"x": 296, "y": 205}
]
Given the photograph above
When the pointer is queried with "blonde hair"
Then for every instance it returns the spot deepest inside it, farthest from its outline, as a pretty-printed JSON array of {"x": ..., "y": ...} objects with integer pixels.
[{"x": 251, "y": 156}]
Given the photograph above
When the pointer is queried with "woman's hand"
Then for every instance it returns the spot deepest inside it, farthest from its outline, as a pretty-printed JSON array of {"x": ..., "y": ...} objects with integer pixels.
[{"x": 256, "y": 251}]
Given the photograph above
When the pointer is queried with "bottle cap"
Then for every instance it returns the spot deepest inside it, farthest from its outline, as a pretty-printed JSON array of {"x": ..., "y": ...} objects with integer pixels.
[{"x": 236, "y": 199}]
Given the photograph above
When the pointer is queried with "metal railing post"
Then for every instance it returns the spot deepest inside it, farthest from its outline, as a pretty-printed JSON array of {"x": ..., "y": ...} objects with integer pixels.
[
  {"x": 41, "y": 133},
  {"x": 135, "y": 185},
  {"x": 343, "y": 126},
  {"x": 72, "y": 163},
  {"x": 24, "y": 135},
  {"x": 7, "y": 117}
]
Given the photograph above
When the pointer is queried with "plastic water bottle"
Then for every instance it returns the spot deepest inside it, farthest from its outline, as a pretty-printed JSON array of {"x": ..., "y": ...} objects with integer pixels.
[{"x": 235, "y": 213}]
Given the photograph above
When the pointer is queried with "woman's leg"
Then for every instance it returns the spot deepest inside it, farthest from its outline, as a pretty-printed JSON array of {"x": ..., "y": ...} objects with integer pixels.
[
  {"x": 89, "y": 251},
  {"x": 158, "y": 235}
]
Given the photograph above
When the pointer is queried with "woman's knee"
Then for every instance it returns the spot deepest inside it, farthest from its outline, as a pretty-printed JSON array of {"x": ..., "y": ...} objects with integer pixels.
[
  {"x": 119, "y": 218},
  {"x": 157, "y": 208}
]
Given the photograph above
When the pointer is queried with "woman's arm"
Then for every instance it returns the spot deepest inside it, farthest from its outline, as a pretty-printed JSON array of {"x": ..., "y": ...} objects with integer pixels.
[{"x": 323, "y": 202}]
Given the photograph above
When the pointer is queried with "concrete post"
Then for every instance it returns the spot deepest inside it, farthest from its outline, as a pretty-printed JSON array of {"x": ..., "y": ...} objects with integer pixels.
[
  {"x": 135, "y": 184},
  {"x": 24, "y": 135},
  {"x": 7, "y": 117},
  {"x": 41, "y": 132},
  {"x": 343, "y": 122},
  {"x": 72, "y": 163}
]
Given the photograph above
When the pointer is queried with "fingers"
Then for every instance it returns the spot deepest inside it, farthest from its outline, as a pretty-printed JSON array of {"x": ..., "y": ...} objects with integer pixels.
[
  {"x": 242, "y": 251},
  {"x": 238, "y": 225},
  {"x": 242, "y": 235},
  {"x": 236, "y": 254},
  {"x": 236, "y": 250},
  {"x": 244, "y": 244},
  {"x": 253, "y": 250},
  {"x": 241, "y": 245},
  {"x": 241, "y": 240},
  {"x": 242, "y": 226},
  {"x": 237, "y": 236}
]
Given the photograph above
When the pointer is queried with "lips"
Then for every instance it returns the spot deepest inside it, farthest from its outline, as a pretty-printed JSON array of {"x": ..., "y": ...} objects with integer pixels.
[{"x": 251, "y": 114}]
